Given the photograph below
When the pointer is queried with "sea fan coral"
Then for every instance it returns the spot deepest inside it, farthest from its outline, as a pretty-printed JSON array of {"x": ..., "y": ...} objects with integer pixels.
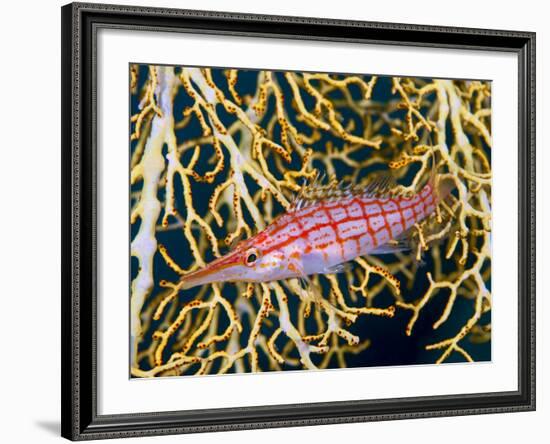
[{"x": 217, "y": 154}]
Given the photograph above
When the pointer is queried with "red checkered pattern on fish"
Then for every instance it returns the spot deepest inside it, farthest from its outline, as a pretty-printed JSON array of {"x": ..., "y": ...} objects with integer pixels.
[{"x": 356, "y": 225}]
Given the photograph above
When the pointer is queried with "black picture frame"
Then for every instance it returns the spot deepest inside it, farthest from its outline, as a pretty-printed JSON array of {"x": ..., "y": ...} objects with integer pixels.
[{"x": 80, "y": 23}]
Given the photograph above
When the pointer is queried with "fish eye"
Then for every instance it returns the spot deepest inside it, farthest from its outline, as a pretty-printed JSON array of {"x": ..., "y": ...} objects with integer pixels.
[{"x": 251, "y": 257}]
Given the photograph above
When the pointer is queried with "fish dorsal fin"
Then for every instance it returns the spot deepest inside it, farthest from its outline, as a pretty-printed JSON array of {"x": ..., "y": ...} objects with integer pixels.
[{"x": 379, "y": 185}]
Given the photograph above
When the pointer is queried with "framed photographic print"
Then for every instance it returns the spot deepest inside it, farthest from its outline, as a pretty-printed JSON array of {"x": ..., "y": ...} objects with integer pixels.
[{"x": 277, "y": 221}]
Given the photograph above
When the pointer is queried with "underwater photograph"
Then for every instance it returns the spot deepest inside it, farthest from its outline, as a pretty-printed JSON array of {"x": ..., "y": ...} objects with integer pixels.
[{"x": 285, "y": 221}]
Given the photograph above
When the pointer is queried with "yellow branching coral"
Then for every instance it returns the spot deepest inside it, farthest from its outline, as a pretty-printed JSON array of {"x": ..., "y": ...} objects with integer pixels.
[{"x": 218, "y": 154}]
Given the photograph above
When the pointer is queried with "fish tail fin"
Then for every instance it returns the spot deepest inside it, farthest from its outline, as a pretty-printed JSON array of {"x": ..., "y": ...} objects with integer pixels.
[
  {"x": 442, "y": 186},
  {"x": 433, "y": 172}
]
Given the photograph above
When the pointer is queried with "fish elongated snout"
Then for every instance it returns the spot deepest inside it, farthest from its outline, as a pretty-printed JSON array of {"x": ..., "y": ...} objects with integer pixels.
[
  {"x": 198, "y": 278},
  {"x": 224, "y": 269},
  {"x": 190, "y": 281}
]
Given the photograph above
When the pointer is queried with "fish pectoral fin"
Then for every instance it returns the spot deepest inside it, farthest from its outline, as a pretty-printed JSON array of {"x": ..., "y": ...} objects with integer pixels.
[
  {"x": 308, "y": 285},
  {"x": 312, "y": 288},
  {"x": 336, "y": 269},
  {"x": 393, "y": 247}
]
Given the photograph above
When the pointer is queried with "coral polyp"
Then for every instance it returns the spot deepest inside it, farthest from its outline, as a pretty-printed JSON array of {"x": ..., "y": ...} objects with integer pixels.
[{"x": 217, "y": 155}]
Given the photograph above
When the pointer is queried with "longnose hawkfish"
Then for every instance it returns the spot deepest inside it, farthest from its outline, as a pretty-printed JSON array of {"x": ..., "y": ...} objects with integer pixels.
[{"x": 325, "y": 228}]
